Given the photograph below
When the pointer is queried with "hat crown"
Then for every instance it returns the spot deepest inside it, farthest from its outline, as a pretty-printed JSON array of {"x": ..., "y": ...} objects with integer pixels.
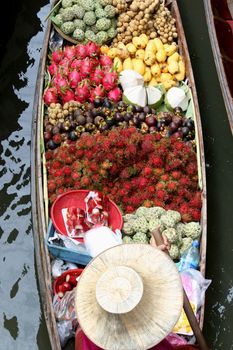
[{"x": 119, "y": 290}]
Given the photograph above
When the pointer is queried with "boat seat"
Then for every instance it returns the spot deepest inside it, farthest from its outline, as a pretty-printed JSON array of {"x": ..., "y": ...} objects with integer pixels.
[{"x": 221, "y": 9}]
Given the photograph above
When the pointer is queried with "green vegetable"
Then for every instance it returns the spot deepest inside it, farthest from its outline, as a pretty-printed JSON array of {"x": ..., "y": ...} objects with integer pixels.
[
  {"x": 140, "y": 237},
  {"x": 58, "y": 20},
  {"x": 110, "y": 11},
  {"x": 66, "y": 3},
  {"x": 88, "y": 5},
  {"x": 101, "y": 37},
  {"x": 140, "y": 224},
  {"x": 193, "y": 230},
  {"x": 171, "y": 234},
  {"x": 128, "y": 228},
  {"x": 89, "y": 35},
  {"x": 78, "y": 11},
  {"x": 79, "y": 24},
  {"x": 67, "y": 27},
  {"x": 89, "y": 18},
  {"x": 141, "y": 211},
  {"x": 100, "y": 13},
  {"x": 127, "y": 239},
  {"x": 174, "y": 214},
  {"x": 129, "y": 217},
  {"x": 180, "y": 228},
  {"x": 167, "y": 220},
  {"x": 111, "y": 33},
  {"x": 78, "y": 34},
  {"x": 174, "y": 252},
  {"x": 68, "y": 14},
  {"x": 103, "y": 24},
  {"x": 186, "y": 243}
]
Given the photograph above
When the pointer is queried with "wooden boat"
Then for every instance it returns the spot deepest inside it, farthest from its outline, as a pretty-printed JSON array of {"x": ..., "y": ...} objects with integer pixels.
[
  {"x": 39, "y": 209},
  {"x": 219, "y": 15}
]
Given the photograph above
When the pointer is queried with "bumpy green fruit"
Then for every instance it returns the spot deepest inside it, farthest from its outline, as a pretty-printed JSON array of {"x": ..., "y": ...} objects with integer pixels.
[
  {"x": 103, "y": 24},
  {"x": 79, "y": 24},
  {"x": 89, "y": 18},
  {"x": 66, "y": 3},
  {"x": 67, "y": 28},
  {"x": 101, "y": 37},
  {"x": 78, "y": 34},
  {"x": 67, "y": 14},
  {"x": 79, "y": 11}
]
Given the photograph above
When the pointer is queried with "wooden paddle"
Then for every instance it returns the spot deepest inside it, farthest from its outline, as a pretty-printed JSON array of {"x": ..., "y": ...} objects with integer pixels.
[{"x": 187, "y": 307}]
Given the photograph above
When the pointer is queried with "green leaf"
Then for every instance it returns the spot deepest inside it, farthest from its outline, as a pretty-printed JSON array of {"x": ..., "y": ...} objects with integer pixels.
[
  {"x": 162, "y": 108},
  {"x": 54, "y": 20}
]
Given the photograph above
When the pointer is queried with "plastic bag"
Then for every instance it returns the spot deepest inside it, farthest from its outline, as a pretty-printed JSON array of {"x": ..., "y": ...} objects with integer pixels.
[
  {"x": 101, "y": 238},
  {"x": 195, "y": 286},
  {"x": 64, "y": 308},
  {"x": 65, "y": 331},
  {"x": 59, "y": 266}
]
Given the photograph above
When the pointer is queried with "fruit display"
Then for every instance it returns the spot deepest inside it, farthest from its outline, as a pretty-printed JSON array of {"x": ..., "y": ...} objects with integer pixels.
[
  {"x": 123, "y": 162},
  {"x": 155, "y": 61},
  {"x": 141, "y": 224},
  {"x": 150, "y": 17},
  {"x": 86, "y": 20},
  {"x": 80, "y": 73}
]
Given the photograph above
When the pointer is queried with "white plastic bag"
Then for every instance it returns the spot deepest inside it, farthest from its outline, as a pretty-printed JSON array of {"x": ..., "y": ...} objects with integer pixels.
[
  {"x": 59, "y": 266},
  {"x": 101, "y": 238}
]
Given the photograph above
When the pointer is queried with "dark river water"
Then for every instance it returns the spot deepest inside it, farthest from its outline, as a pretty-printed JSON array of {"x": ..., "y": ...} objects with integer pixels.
[{"x": 21, "y": 321}]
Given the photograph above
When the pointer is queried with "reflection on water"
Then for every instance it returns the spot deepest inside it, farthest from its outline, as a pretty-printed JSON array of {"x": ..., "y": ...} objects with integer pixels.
[
  {"x": 20, "y": 312},
  {"x": 21, "y": 323}
]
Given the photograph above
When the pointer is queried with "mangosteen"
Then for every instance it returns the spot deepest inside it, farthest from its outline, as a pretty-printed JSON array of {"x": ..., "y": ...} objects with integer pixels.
[
  {"x": 142, "y": 116},
  {"x": 98, "y": 120},
  {"x": 90, "y": 127},
  {"x": 110, "y": 121},
  {"x": 190, "y": 124},
  {"x": 48, "y": 127},
  {"x": 94, "y": 112},
  {"x": 73, "y": 125},
  {"x": 138, "y": 109},
  {"x": 70, "y": 117},
  {"x": 77, "y": 112},
  {"x": 51, "y": 145},
  {"x": 64, "y": 127},
  {"x": 73, "y": 135},
  {"x": 97, "y": 102},
  {"x": 103, "y": 127},
  {"x": 80, "y": 128},
  {"x": 128, "y": 116},
  {"x": 136, "y": 120},
  {"x": 89, "y": 120},
  {"x": 124, "y": 124},
  {"x": 121, "y": 105},
  {"x": 178, "y": 135},
  {"x": 118, "y": 117},
  {"x": 177, "y": 119},
  {"x": 81, "y": 120},
  {"x": 107, "y": 103},
  {"x": 47, "y": 136},
  {"x": 167, "y": 117},
  {"x": 185, "y": 130},
  {"x": 173, "y": 127},
  {"x": 151, "y": 120},
  {"x": 55, "y": 130},
  {"x": 178, "y": 111},
  {"x": 147, "y": 109}
]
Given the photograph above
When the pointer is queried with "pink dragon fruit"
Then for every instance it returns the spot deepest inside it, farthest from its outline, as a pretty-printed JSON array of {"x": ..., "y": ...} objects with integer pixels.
[
  {"x": 92, "y": 49},
  {"x": 105, "y": 61},
  {"x": 82, "y": 93},
  {"x": 81, "y": 51},
  {"x": 74, "y": 78},
  {"x": 57, "y": 56},
  {"x": 68, "y": 96},
  {"x": 53, "y": 69},
  {"x": 114, "y": 95},
  {"x": 97, "y": 93},
  {"x": 96, "y": 77},
  {"x": 110, "y": 80},
  {"x": 69, "y": 52},
  {"x": 50, "y": 96}
]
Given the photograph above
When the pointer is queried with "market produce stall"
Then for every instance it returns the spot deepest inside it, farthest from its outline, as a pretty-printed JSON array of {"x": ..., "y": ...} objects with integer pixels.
[{"x": 116, "y": 119}]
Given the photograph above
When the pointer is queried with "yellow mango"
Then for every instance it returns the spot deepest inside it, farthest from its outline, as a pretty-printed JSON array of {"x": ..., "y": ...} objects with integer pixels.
[
  {"x": 147, "y": 76},
  {"x": 138, "y": 43},
  {"x": 181, "y": 74},
  {"x": 170, "y": 49},
  {"x": 165, "y": 76},
  {"x": 174, "y": 57},
  {"x": 140, "y": 54},
  {"x": 151, "y": 46},
  {"x": 117, "y": 63},
  {"x": 131, "y": 48},
  {"x": 153, "y": 82},
  {"x": 168, "y": 84},
  {"x": 163, "y": 67},
  {"x": 155, "y": 70},
  {"x": 104, "y": 49},
  {"x": 138, "y": 66},
  {"x": 112, "y": 53},
  {"x": 127, "y": 64},
  {"x": 173, "y": 67},
  {"x": 144, "y": 38},
  {"x": 161, "y": 55},
  {"x": 158, "y": 44},
  {"x": 149, "y": 58}
]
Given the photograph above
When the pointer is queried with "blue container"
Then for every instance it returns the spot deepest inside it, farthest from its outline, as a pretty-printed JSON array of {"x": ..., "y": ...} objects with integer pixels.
[{"x": 78, "y": 257}]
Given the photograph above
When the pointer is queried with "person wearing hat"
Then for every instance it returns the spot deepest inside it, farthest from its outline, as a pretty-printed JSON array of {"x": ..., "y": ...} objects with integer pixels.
[{"x": 129, "y": 297}]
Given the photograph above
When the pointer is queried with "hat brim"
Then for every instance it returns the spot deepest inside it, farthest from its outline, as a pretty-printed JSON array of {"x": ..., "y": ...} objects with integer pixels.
[{"x": 151, "y": 320}]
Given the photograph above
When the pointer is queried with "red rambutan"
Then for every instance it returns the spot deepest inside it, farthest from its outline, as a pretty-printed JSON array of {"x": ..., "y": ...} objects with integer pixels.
[
  {"x": 143, "y": 182},
  {"x": 79, "y": 153},
  {"x": 164, "y": 177},
  {"x": 67, "y": 170},
  {"x": 56, "y": 164},
  {"x": 176, "y": 175},
  {"x": 172, "y": 186},
  {"x": 196, "y": 214},
  {"x": 184, "y": 208},
  {"x": 75, "y": 175},
  {"x": 147, "y": 171},
  {"x": 51, "y": 186},
  {"x": 191, "y": 169},
  {"x": 162, "y": 195},
  {"x": 129, "y": 209},
  {"x": 156, "y": 161},
  {"x": 85, "y": 181}
]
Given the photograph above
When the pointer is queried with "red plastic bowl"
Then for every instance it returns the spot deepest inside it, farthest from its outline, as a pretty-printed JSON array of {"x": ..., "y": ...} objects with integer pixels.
[
  {"x": 59, "y": 280},
  {"x": 76, "y": 198}
]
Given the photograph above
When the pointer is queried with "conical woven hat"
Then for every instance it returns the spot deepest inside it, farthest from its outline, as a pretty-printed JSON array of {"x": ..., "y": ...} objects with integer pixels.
[{"x": 129, "y": 297}]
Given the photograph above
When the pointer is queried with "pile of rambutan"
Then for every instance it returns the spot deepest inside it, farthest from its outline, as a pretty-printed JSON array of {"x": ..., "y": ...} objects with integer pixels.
[{"x": 132, "y": 168}]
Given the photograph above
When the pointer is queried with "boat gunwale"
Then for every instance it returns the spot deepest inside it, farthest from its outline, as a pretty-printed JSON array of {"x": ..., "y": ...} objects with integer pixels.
[
  {"x": 38, "y": 208},
  {"x": 228, "y": 99}
]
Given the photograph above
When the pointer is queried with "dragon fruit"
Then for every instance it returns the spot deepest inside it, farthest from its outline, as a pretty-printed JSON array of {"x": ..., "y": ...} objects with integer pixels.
[
  {"x": 50, "y": 96},
  {"x": 97, "y": 93},
  {"x": 69, "y": 52},
  {"x": 74, "y": 78},
  {"x": 114, "y": 95},
  {"x": 96, "y": 76},
  {"x": 57, "y": 56},
  {"x": 81, "y": 51},
  {"x": 110, "y": 80},
  {"x": 92, "y": 49}
]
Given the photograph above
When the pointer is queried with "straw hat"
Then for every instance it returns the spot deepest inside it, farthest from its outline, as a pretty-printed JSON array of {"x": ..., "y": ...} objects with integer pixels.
[{"x": 129, "y": 297}]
